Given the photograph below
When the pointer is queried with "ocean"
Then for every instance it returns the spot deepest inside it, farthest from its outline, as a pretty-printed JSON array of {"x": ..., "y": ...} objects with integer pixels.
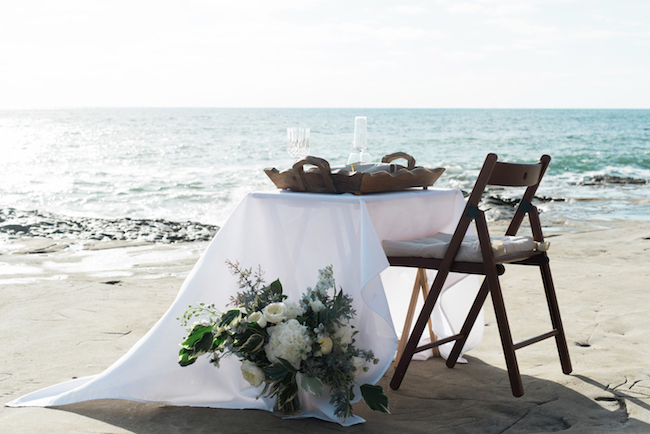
[{"x": 196, "y": 164}]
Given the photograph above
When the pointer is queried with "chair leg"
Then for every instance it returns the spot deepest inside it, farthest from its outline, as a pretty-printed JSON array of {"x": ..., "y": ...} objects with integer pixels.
[
  {"x": 556, "y": 321},
  {"x": 468, "y": 324},
  {"x": 492, "y": 277},
  {"x": 420, "y": 325},
  {"x": 506, "y": 338},
  {"x": 425, "y": 293}
]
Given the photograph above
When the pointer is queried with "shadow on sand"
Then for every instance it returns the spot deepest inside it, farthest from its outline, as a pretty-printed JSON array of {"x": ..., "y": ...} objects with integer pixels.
[{"x": 473, "y": 398}]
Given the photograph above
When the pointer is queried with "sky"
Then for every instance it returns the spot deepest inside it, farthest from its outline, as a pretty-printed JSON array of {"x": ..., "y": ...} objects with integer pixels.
[{"x": 325, "y": 53}]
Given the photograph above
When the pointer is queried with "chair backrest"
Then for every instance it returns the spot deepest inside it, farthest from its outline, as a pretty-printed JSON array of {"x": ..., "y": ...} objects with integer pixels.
[
  {"x": 499, "y": 173},
  {"x": 504, "y": 174},
  {"x": 517, "y": 175}
]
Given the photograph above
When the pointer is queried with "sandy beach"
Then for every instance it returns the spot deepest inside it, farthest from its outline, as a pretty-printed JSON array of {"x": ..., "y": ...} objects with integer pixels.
[{"x": 70, "y": 308}]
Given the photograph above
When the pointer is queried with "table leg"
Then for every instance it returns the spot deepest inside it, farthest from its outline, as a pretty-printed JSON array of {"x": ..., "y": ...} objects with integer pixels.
[{"x": 421, "y": 284}]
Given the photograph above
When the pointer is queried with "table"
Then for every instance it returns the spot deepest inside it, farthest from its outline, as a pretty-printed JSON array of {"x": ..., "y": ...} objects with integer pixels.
[{"x": 291, "y": 236}]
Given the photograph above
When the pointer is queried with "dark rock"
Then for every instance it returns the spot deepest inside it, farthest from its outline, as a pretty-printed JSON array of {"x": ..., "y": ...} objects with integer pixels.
[
  {"x": 43, "y": 224},
  {"x": 617, "y": 180}
]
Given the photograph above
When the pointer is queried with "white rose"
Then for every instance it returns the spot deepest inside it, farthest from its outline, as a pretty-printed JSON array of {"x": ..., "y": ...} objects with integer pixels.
[
  {"x": 293, "y": 311},
  {"x": 275, "y": 312},
  {"x": 259, "y": 318},
  {"x": 325, "y": 345},
  {"x": 358, "y": 363},
  {"x": 252, "y": 373}
]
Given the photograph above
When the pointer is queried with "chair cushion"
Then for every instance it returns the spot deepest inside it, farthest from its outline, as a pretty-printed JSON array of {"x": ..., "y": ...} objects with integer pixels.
[{"x": 470, "y": 249}]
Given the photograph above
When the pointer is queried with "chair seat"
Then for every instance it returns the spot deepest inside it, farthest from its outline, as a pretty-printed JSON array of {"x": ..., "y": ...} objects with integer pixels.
[{"x": 470, "y": 249}]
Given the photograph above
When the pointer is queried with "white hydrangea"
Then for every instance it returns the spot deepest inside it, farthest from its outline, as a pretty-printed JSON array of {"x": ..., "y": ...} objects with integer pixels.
[{"x": 290, "y": 341}]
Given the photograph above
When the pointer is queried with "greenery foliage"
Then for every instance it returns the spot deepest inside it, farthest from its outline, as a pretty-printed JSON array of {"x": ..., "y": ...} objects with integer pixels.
[{"x": 280, "y": 341}]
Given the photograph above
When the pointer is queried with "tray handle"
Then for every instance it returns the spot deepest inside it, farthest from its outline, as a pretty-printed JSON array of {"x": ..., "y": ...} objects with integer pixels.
[
  {"x": 324, "y": 170},
  {"x": 397, "y": 155}
]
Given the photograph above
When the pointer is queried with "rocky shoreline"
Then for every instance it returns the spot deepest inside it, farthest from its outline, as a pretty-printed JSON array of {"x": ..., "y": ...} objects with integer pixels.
[{"x": 43, "y": 224}]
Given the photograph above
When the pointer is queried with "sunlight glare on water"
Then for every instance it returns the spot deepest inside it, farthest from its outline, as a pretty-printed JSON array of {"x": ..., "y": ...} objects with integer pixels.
[{"x": 197, "y": 164}]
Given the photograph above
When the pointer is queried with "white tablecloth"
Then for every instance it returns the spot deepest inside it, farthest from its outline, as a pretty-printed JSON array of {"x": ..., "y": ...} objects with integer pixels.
[{"x": 291, "y": 236}]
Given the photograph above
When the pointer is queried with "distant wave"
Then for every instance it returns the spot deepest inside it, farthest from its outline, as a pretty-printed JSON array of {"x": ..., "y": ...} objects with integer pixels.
[{"x": 43, "y": 224}]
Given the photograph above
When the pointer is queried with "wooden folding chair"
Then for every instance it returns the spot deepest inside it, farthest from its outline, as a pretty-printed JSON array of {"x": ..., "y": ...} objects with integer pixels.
[{"x": 487, "y": 260}]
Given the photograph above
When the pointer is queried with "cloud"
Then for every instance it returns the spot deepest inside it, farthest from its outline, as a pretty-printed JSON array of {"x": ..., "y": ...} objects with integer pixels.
[
  {"x": 457, "y": 55},
  {"x": 523, "y": 27},
  {"x": 494, "y": 8},
  {"x": 599, "y": 34},
  {"x": 547, "y": 52},
  {"x": 619, "y": 71},
  {"x": 465, "y": 8},
  {"x": 508, "y": 47},
  {"x": 202, "y": 52},
  {"x": 408, "y": 10}
]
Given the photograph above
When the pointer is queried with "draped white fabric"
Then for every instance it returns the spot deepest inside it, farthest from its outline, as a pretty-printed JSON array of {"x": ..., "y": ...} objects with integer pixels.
[{"x": 291, "y": 236}]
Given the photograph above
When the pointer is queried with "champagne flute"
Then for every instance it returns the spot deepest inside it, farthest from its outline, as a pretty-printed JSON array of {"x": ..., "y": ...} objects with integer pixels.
[
  {"x": 298, "y": 142},
  {"x": 360, "y": 142},
  {"x": 360, "y": 133}
]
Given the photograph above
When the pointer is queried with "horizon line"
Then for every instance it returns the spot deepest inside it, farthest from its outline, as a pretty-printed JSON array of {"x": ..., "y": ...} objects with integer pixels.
[{"x": 313, "y": 108}]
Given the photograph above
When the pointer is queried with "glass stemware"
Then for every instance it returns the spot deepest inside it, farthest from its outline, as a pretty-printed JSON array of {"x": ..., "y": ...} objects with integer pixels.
[
  {"x": 360, "y": 143},
  {"x": 360, "y": 133},
  {"x": 298, "y": 142}
]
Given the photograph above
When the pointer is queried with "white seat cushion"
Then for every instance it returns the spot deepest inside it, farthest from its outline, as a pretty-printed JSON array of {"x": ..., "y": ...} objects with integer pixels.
[{"x": 470, "y": 249}]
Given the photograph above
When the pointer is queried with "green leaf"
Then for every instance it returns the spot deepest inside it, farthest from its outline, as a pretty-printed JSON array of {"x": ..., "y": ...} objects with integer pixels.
[
  {"x": 288, "y": 366},
  {"x": 274, "y": 390},
  {"x": 264, "y": 391},
  {"x": 287, "y": 394},
  {"x": 276, "y": 371},
  {"x": 276, "y": 287},
  {"x": 230, "y": 317},
  {"x": 219, "y": 341},
  {"x": 204, "y": 344},
  {"x": 253, "y": 344},
  {"x": 312, "y": 385},
  {"x": 186, "y": 357},
  {"x": 196, "y": 334},
  {"x": 200, "y": 344},
  {"x": 197, "y": 343},
  {"x": 375, "y": 398},
  {"x": 254, "y": 327}
]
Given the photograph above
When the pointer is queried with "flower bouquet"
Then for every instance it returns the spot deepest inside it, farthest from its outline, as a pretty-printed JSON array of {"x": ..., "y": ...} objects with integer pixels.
[{"x": 286, "y": 345}]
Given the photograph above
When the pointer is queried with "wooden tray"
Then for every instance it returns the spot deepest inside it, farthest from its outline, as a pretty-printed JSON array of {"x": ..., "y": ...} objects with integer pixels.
[{"x": 366, "y": 178}]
